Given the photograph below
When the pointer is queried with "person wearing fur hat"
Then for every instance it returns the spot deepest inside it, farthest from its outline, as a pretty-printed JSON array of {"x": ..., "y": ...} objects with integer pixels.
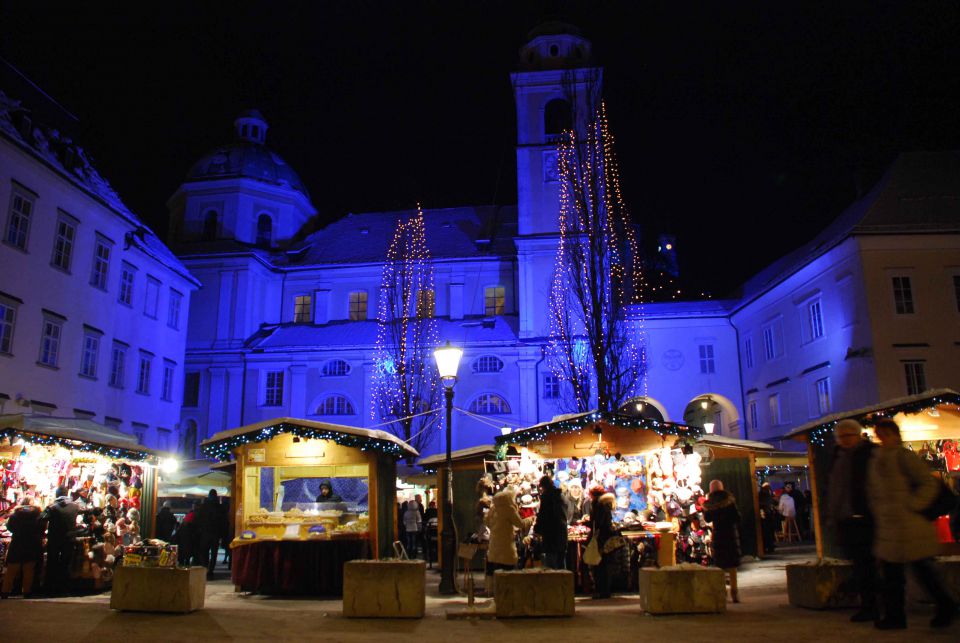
[
  {"x": 601, "y": 528},
  {"x": 551, "y": 525},
  {"x": 504, "y": 520},
  {"x": 720, "y": 509}
]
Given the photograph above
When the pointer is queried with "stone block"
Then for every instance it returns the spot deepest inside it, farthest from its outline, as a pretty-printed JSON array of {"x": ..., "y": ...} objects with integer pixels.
[
  {"x": 682, "y": 589},
  {"x": 824, "y": 584},
  {"x": 384, "y": 589},
  {"x": 533, "y": 592},
  {"x": 158, "y": 589}
]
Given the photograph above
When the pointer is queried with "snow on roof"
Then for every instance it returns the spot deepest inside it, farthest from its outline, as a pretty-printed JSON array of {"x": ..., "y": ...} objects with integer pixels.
[
  {"x": 81, "y": 430},
  {"x": 459, "y": 454},
  {"x": 737, "y": 443}
]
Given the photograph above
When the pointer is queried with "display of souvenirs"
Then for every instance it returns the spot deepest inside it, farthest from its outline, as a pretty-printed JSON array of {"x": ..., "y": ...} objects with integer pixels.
[
  {"x": 151, "y": 553},
  {"x": 305, "y": 521}
]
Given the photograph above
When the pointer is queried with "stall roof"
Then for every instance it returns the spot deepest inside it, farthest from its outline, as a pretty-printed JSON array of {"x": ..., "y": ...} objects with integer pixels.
[
  {"x": 459, "y": 454},
  {"x": 218, "y": 446},
  {"x": 889, "y": 408},
  {"x": 735, "y": 443},
  {"x": 88, "y": 432},
  {"x": 575, "y": 422}
]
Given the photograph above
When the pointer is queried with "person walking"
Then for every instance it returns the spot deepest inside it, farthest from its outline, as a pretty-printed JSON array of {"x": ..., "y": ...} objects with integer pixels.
[
  {"x": 210, "y": 527},
  {"x": 26, "y": 548},
  {"x": 412, "y": 525},
  {"x": 848, "y": 512},
  {"x": 768, "y": 518},
  {"x": 720, "y": 509},
  {"x": 601, "y": 528},
  {"x": 900, "y": 486},
  {"x": 166, "y": 522},
  {"x": 551, "y": 525},
  {"x": 61, "y": 520},
  {"x": 504, "y": 520},
  {"x": 788, "y": 512}
]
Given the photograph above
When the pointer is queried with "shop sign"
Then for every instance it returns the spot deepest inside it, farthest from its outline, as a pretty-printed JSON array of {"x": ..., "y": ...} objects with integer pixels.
[{"x": 256, "y": 455}]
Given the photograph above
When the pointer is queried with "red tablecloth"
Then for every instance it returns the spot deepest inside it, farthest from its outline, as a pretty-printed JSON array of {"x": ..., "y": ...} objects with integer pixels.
[{"x": 295, "y": 567}]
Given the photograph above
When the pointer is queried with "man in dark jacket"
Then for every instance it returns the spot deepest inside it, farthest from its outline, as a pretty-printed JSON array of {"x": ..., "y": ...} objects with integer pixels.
[
  {"x": 61, "y": 520},
  {"x": 551, "y": 525},
  {"x": 166, "y": 522},
  {"x": 327, "y": 494},
  {"x": 848, "y": 511},
  {"x": 26, "y": 548},
  {"x": 210, "y": 525}
]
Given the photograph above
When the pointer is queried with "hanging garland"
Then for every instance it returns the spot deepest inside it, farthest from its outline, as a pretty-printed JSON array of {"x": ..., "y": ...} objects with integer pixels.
[
  {"x": 576, "y": 424},
  {"x": 819, "y": 435},
  {"x": 221, "y": 449},
  {"x": 75, "y": 445}
]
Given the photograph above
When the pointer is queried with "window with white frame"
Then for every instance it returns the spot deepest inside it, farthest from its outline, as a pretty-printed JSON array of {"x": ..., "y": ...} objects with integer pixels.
[
  {"x": 358, "y": 305},
  {"x": 173, "y": 309},
  {"x": 90, "y": 352},
  {"x": 191, "y": 390},
  {"x": 487, "y": 364},
  {"x": 489, "y": 404},
  {"x": 143, "y": 373},
  {"x": 166, "y": 390},
  {"x": 18, "y": 220},
  {"x": 551, "y": 386},
  {"x": 118, "y": 364},
  {"x": 63, "y": 240},
  {"x": 426, "y": 305},
  {"x": 151, "y": 304},
  {"x": 302, "y": 309},
  {"x": 748, "y": 352},
  {"x": 50, "y": 334},
  {"x": 902, "y": 295},
  {"x": 916, "y": 376},
  {"x": 493, "y": 300},
  {"x": 336, "y": 405},
  {"x": 273, "y": 389},
  {"x": 752, "y": 415},
  {"x": 814, "y": 320},
  {"x": 824, "y": 402},
  {"x": 101, "y": 263},
  {"x": 8, "y": 321},
  {"x": 707, "y": 363},
  {"x": 773, "y": 339},
  {"x": 335, "y": 368},
  {"x": 774, "y": 401},
  {"x": 128, "y": 275}
]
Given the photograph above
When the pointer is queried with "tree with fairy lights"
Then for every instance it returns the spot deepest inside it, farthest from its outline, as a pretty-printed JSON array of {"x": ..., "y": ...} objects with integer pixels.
[
  {"x": 404, "y": 382},
  {"x": 596, "y": 329}
]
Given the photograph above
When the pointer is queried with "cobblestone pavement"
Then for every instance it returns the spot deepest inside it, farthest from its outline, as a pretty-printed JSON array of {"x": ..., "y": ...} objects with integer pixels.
[{"x": 763, "y": 615}]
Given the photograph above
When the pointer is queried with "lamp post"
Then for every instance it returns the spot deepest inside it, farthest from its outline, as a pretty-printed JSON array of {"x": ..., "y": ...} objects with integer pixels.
[{"x": 448, "y": 360}]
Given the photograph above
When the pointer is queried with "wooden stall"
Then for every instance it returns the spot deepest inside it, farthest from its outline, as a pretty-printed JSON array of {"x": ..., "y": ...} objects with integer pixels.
[{"x": 290, "y": 538}]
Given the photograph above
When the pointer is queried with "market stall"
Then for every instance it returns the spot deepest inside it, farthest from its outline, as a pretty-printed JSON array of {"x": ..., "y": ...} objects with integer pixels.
[
  {"x": 651, "y": 467},
  {"x": 106, "y": 472},
  {"x": 309, "y": 496},
  {"x": 929, "y": 425}
]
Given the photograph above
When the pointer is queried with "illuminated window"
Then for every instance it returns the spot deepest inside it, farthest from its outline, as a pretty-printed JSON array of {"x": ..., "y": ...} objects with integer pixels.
[
  {"x": 63, "y": 242},
  {"x": 273, "y": 389},
  {"x": 490, "y": 404},
  {"x": 358, "y": 305},
  {"x": 426, "y": 304},
  {"x": 493, "y": 300},
  {"x": 18, "y": 220},
  {"x": 336, "y": 405},
  {"x": 488, "y": 364},
  {"x": 335, "y": 367},
  {"x": 301, "y": 309},
  {"x": 902, "y": 295}
]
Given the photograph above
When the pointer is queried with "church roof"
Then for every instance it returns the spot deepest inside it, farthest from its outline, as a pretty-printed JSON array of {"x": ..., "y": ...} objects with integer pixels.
[{"x": 244, "y": 159}]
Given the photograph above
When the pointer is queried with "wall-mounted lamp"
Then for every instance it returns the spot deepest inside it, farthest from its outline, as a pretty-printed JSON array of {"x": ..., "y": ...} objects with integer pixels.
[
  {"x": 505, "y": 430},
  {"x": 708, "y": 427}
]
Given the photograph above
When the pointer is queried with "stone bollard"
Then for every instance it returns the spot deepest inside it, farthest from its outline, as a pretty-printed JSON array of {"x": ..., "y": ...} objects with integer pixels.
[
  {"x": 158, "y": 589},
  {"x": 682, "y": 589},
  {"x": 384, "y": 589},
  {"x": 533, "y": 592},
  {"x": 822, "y": 584}
]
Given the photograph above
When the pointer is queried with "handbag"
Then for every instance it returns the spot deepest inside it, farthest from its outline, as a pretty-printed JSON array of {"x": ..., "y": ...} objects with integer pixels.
[
  {"x": 943, "y": 503},
  {"x": 613, "y": 543},
  {"x": 591, "y": 555}
]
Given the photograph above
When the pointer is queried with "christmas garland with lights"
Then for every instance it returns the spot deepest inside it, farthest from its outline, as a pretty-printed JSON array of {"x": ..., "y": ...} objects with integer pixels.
[
  {"x": 221, "y": 450},
  {"x": 42, "y": 439},
  {"x": 618, "y": 420}
]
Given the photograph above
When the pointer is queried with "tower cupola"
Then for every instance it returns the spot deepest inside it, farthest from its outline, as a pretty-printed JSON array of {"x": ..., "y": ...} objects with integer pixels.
[{"x": 251, "y": 127}]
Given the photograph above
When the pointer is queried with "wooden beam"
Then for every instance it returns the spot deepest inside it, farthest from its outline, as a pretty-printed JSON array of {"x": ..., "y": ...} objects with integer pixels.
[{"x": 815, "y": 495}]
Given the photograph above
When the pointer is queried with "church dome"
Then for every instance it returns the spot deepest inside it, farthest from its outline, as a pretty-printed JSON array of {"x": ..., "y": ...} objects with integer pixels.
[{"x": 248, "y": 157}]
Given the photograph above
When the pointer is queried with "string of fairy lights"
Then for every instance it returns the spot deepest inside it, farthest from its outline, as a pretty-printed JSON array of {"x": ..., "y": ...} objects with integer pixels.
[
  {"x": 221, "y": 450},
  {"x": 15, "y": 435},
  {"x": 580, "y": 422}
]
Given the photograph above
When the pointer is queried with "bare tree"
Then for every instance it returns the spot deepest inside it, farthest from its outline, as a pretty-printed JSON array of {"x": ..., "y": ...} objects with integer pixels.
[{"x": 404, "y": 378}]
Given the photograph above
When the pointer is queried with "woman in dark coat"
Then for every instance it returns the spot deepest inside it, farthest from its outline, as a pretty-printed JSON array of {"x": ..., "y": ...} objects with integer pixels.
[
  {"x": 768, "y": 518},
  {"x": 601, "y": 527},
  {"x": 551, "y": 525},
  {"x": 26, "y": 547},
  {"x": 721, "y": 510}
]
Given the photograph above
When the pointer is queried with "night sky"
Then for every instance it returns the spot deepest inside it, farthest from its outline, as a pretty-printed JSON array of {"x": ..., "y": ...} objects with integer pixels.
[{"x": 741, "y": 127}]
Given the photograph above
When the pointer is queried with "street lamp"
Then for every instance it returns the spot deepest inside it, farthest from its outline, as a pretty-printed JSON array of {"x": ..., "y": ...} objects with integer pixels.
[{"x": 448, "y": 360}]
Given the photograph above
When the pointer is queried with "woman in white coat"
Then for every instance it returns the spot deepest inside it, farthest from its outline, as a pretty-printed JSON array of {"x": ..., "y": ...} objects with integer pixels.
[{"x": 504, "y": 520}]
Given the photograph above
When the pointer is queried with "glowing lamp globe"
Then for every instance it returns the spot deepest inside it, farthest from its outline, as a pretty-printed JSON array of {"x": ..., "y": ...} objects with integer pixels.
[{"x": 448, "y": 361}]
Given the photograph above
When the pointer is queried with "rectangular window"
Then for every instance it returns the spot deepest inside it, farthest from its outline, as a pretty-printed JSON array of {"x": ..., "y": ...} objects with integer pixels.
[
  {"x": 151, "y": 303},
  {"x": 707, "y": 364},
  {"x": 775, "y": 416},
  {"x": 358, "y": 305},
  {"x": 773, "y": 339},
  {"x": 274, "y": 389},
  {"x": 166, "y": 391},
  {"x": 101, "y": 263},
  {"x": 143, "y": 374},
  {"x": 18, "y": 221},
  {"x": 90, "y": 353},
  {"x": 127, "y": 277},
  {"x": 551, "y": 387},
  {"x": 173, "y": 309},
  {"x": 815, "y": 319},
  {"x": 191, "y": 390},
  {"x": 301, "y": 309},
  {"x": 50, "y": 341},
  {"x": 748, "y": 352},
  {"x": 915, "y": 372},
  {"x": 139, "y": 431},
  {"x": 8, "y": 319},
  {"x": 752, "y": 415},
  {"x": 493, "y": 300},
  {"x": 426, "y": 304},
  {"x": 118, "y": 364},
  {"x": 823, "y": 396},
  {"x": 63, "y": 243},
  {"x": 164, "y": 439},
  {"x": 902, "y": 295}
]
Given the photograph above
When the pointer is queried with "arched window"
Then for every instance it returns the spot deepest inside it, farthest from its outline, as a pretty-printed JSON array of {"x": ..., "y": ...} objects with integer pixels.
[
  {"x": 557, "y": 118},
  {"x": 335, "y": 367},
  {"x": 264, "y": 230},
  {"x": 336, "y": 405},
  {"x": 488, "y": 364},
  {"x": 490, "y": 404},
  {"x": 211, "y": 222}
]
